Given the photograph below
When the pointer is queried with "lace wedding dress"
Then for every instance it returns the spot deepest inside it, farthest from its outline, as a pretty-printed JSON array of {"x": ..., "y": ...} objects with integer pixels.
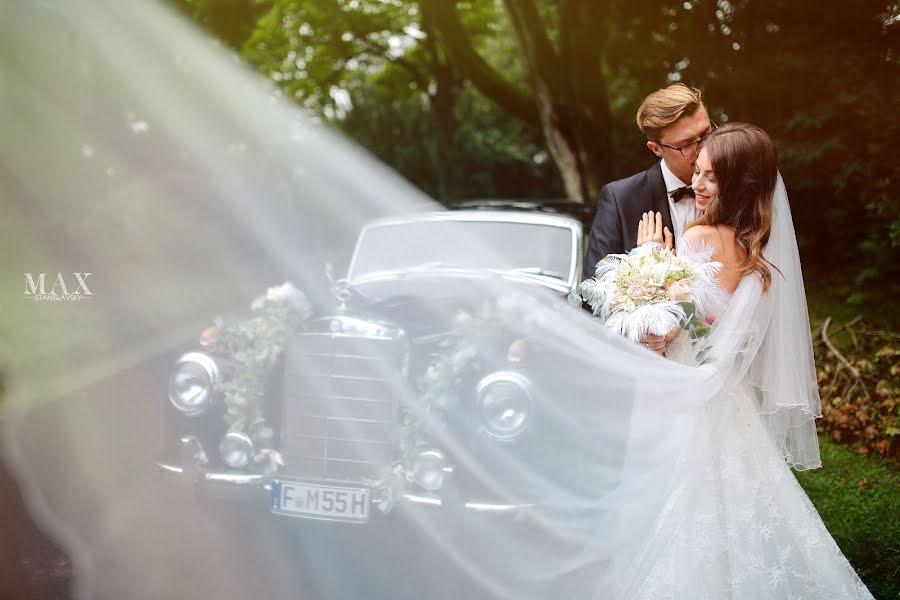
[{"x": 737, "y": 524}]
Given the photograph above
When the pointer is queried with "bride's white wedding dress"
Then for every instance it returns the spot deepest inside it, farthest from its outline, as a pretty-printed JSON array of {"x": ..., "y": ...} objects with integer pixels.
[{"x": 735, "y": 523}]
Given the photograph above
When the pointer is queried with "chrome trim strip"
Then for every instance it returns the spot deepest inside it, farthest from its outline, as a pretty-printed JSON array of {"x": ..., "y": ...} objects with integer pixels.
[
  {"x": 350, "y": 377},
  {"x": 340, "y": 397},
  {"x": 235, "y": 479},
  {"x": 475, "y": 506},
  {"x": 216, "y": 477},
  {"x": 167, "y": 468},
  {"x": 341, "y": 460},
  {"x": 488, "y": 507},
  {"x": 285, "y": 513},
  {"x": 427, "y": 500},
  {"x": 262, "y": 482},
  {"x": 339, "y": 439}
]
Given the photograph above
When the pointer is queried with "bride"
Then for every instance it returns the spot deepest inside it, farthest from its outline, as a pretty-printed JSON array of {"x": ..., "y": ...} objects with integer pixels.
[{"x": 738, "y": 525}]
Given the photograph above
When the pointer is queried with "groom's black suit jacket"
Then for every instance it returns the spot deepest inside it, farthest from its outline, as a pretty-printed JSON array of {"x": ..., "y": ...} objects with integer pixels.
[{"x": 621, "y": 205}]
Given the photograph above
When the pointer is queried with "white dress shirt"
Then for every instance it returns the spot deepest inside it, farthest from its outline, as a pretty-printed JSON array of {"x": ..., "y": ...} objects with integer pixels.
[{"x": 683, "y": 213}]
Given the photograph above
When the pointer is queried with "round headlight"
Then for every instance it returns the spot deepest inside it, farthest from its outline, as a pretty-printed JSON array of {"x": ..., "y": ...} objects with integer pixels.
[
  {"x": 236, "y": 450},
  {"x": 504, "y": 404},
  {"x": 191, "y": 383},
  {"x": 428, "y": 470}
]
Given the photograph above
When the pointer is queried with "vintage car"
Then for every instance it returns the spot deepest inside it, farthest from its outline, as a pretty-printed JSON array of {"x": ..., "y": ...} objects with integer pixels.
[{"x": 346, "y": 392}]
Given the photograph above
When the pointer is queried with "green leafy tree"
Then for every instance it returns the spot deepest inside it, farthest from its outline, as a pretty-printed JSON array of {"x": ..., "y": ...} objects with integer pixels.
[
  {"x": 823, "y": 83},
  {"x": 485, "y": 98}
]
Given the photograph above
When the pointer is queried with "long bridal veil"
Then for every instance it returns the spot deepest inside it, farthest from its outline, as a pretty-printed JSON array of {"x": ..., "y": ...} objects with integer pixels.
[
  {"x": 764, "y": 338},
  {"x": 139, "y": 155}
]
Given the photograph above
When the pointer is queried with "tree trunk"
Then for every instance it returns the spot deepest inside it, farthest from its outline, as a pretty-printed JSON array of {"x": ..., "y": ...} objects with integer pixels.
[
  {"x": 443, "y": 103},
  {"x": 569, "y": 91},
  {"x": 569, "y": 98}
]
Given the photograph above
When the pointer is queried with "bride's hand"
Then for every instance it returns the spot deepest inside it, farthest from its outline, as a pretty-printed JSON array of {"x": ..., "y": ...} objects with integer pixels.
[{"x": 650, "y": 229}]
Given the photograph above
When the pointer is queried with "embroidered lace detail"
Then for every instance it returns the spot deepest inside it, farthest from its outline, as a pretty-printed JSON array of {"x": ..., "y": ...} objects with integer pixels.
[
  {"x": 741, "y": 527},
  {"x": 737, "y": 525}
]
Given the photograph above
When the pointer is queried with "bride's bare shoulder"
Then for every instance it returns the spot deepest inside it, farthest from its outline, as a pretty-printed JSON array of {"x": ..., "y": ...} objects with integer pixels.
[
  {"x": 697, "y": 233},
  {"x": 702, "y": 234}
]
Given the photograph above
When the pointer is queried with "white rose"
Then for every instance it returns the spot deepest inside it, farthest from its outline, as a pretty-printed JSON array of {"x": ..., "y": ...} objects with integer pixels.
[{"x": 279, "y": 293}]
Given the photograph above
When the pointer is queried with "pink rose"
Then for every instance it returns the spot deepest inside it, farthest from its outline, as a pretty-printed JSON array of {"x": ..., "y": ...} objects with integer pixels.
[
  {"x": 680, "y": 291},
  {"x": 209, "y": 335},
  {"x": 516, "y": 350},
  {"x": 635, "y": 291}
]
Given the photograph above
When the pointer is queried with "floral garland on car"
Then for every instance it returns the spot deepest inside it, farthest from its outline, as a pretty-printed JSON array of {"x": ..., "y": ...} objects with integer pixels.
[
  {"x": 457, "y": 357},
  {"x": 250, "y": 347},
  {"x": 437, "y": 388}
]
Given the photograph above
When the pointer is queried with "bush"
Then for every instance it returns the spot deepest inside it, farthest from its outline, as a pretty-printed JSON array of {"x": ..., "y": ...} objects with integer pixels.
[{"x": 859, "y": 381}]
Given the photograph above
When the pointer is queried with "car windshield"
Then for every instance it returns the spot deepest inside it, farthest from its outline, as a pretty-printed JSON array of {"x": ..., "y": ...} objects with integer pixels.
[{"x": 532, "y": 249}]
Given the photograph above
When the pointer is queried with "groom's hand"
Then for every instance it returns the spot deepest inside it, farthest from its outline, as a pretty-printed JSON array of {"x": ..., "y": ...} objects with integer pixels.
[{"x": 656, "y": 343}]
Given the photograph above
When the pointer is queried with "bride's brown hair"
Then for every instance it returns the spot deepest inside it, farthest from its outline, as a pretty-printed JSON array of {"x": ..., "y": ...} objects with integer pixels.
[{"x": 745, "y": 163}]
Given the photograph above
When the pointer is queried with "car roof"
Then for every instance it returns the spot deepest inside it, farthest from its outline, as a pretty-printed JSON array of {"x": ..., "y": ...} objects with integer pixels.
[
  {"x": 583, "y": 212},
  {"x": 552, "y": 218}
]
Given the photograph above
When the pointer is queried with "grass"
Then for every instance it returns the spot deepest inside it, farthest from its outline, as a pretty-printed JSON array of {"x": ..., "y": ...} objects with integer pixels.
[{"x": 858, "y": 498}]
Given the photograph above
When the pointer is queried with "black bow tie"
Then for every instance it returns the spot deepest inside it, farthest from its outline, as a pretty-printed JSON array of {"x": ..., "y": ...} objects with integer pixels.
[{"x": 682, "y": 192}]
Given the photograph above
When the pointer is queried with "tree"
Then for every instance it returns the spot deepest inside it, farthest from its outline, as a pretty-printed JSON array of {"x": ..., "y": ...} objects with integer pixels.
[
  {"x": 458, "y": 94},
  {"x": 823, "y": 83},
  {"x": 375, "y": 70},
  {"x": 567, "y": 95}
]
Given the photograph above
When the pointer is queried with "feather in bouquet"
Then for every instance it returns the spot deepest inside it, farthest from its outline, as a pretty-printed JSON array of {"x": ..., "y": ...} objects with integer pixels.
[{"x": 651, "y": 290}]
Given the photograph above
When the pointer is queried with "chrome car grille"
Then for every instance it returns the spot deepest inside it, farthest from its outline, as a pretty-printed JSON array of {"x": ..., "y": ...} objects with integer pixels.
[{"x": 341, "y": 397}]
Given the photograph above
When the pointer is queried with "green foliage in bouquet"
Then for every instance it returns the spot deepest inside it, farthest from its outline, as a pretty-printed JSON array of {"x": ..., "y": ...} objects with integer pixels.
[
  {"x": 691, "y": 323},
  {"x": 697, "y": 329}
]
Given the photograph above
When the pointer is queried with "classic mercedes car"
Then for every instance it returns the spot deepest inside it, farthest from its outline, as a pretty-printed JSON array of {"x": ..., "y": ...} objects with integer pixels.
[{"x": 370, "y": 413}]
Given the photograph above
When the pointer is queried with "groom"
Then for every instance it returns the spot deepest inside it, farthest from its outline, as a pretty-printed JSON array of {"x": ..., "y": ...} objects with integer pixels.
[{"x": 673, "y": 119}]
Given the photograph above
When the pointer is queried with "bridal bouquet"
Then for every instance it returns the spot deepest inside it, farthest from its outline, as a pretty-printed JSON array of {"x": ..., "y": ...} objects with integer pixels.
[{"x": 651, "y": 290}]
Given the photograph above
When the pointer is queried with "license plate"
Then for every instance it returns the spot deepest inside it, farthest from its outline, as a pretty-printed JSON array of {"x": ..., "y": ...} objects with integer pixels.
[{"x": 320, "y": 501}]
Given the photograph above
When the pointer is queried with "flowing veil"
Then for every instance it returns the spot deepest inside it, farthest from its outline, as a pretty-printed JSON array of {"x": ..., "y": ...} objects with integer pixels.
[
  {"x": 765, "y": 339},
  {"x": 137, "y": 151}
]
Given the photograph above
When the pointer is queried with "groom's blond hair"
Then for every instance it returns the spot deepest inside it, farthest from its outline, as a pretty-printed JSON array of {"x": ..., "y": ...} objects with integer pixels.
[{"x": 663, "y": 107}]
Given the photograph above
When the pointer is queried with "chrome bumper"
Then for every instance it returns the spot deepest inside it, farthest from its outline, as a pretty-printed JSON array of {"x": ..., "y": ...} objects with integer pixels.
[{"x": 191, "y": 472}]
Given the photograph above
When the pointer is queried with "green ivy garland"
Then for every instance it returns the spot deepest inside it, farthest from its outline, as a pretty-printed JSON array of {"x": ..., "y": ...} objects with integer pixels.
[{"x": 250, "y": 347}]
